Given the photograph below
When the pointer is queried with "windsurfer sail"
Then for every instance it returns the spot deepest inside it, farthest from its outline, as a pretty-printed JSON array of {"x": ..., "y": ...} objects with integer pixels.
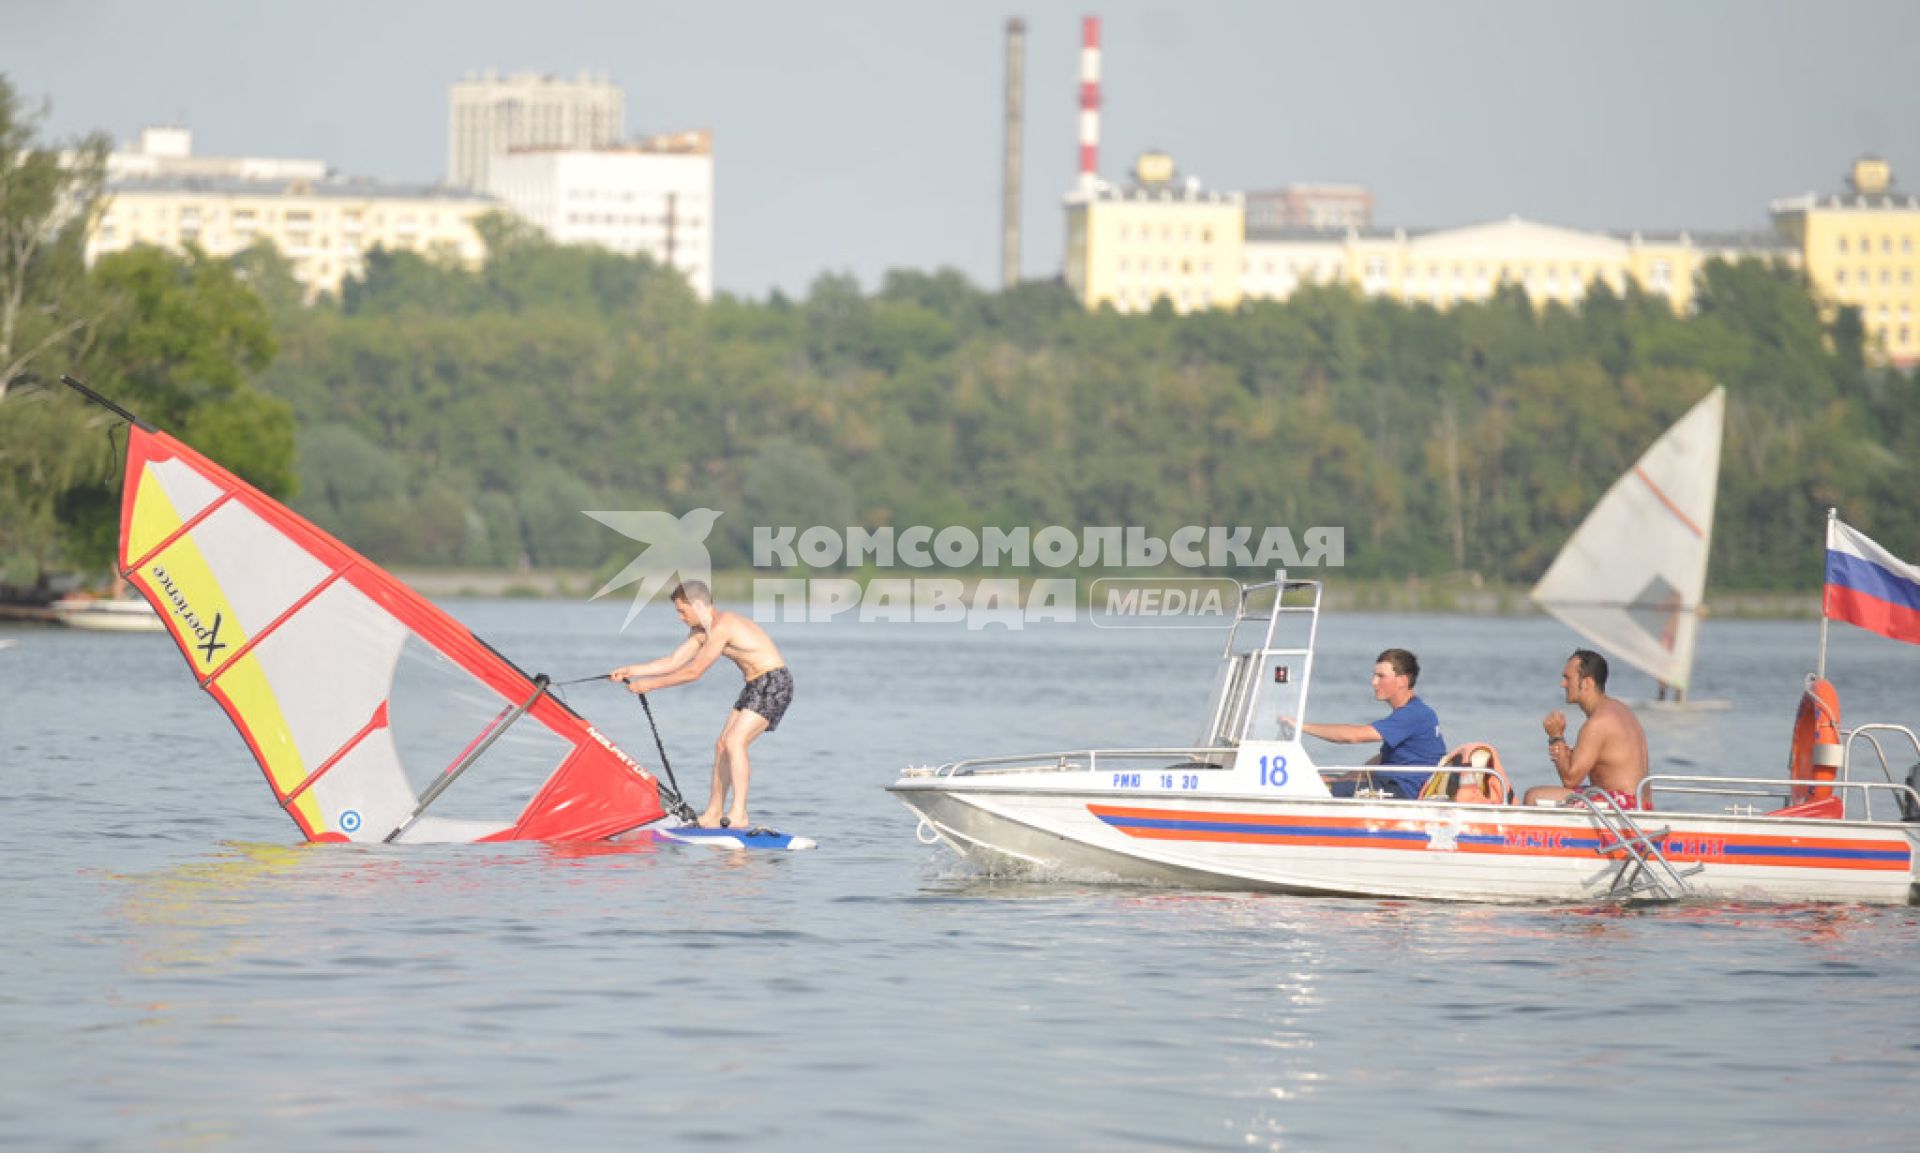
[
  {"x": 299, "y": 639},
  {"x": 1631, "y": 577}
]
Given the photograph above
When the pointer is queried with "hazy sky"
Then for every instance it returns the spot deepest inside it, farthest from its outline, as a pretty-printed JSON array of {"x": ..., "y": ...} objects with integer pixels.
[{"x": 861, "y": 136}]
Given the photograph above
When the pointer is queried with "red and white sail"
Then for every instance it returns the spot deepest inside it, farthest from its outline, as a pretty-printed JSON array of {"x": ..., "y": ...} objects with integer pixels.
[
  {"x": 1632, "y": 576},
  {"x": 300, "y": 639}
]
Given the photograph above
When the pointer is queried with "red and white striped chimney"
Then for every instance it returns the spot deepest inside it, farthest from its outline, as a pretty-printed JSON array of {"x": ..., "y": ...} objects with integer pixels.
[{"x": 1089, "y": 103}]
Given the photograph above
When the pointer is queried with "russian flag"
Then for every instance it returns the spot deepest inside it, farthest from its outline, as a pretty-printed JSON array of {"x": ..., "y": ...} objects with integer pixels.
[{"x": 1867, "y": 586}]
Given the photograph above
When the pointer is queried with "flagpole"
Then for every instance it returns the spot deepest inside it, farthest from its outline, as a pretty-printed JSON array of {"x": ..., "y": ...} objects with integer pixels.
[{"x": 1821, "y": 670}]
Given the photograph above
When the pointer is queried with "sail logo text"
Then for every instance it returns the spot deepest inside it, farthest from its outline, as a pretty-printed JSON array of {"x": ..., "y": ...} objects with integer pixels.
[
  {"x": 207, "y": 634},
  {"x": 608, "y": 745}
]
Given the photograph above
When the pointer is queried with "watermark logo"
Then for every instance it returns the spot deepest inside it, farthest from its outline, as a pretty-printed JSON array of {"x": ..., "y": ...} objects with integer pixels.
[
  {"x": 676, "y": 551},
  {"x": 1163, "y": 602}
]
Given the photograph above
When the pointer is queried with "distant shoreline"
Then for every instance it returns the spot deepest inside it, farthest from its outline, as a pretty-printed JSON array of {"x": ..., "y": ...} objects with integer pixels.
[{"x": 1448, "y": 595}]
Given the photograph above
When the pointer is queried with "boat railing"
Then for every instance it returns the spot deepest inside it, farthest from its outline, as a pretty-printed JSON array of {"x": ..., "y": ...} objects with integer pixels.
[
  {"x": 1774, "y": 788},
  {"x": 1870, "y": 734},
  {"x": 1083, "y": 761}
]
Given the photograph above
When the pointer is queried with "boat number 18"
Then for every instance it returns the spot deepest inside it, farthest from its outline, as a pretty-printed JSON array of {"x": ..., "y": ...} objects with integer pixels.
[{"x": 1273, "y": 771}]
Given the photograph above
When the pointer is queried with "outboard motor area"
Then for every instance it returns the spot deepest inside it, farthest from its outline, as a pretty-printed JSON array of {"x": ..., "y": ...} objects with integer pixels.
[{"x": 1266, "y": 664}]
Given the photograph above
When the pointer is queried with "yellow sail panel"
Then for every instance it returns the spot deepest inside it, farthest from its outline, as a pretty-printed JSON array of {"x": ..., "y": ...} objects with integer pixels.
[
  {"x": 153, "y": 520},
  {"x": 249, "y": 699},
  {"x": 169, "y": 494},
  {"x": 181, "y": 584},
  {"x": 331, "y": 666},
  {"x": 227, "y": 579}
]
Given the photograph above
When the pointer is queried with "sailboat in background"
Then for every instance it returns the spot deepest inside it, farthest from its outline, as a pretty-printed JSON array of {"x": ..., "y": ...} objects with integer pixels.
[{"x": 1631, "y": 578}]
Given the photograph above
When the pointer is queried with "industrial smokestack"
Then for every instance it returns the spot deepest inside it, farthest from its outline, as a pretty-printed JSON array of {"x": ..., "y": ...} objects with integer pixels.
[
  {"x": 1089, "y": 103},
  {"x": 1010, "y": 174}
]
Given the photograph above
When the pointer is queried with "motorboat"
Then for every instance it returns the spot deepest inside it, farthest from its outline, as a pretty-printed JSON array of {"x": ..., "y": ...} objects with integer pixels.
[
  {"x": 1248, "y": 808},
  {"x": 107, "y": 614}
]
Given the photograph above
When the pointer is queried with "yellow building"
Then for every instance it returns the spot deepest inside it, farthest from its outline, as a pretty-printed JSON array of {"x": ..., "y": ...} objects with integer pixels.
[
  {"x": 1859, "y": 249},
  {"x": 325, "y": 227},
  {"x": 1157, "y": 239},
  {"x": 1446, "y": 266}
]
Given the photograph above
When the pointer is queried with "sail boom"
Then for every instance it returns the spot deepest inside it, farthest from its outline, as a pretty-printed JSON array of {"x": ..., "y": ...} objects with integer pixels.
[
  {"x": 1695, "y": 609},
  {"x": 472, "y": 753}
]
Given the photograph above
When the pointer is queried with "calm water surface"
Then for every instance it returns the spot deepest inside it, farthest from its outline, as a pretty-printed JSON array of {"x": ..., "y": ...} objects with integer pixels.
[{"x": 179, "y": 973}]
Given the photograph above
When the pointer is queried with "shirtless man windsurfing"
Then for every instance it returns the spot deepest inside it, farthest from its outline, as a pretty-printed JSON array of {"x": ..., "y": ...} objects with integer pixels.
[{"x": 714, "y": 634}]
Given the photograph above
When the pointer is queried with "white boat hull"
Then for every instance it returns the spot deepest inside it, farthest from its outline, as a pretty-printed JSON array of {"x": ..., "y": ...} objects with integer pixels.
[
  {"x": 1249, "y": 809},
  {"x": 1404, "y": 849},
  {"x": 115, "y": 616}
]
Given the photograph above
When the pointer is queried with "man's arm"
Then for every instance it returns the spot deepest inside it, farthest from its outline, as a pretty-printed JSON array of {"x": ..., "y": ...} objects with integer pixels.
[
  {"x": 1343, "y": 734},
  {"x": 689, "y": 670},
  {"x": 681, "y": 654},
  {"x": 1575, "y": 763}
]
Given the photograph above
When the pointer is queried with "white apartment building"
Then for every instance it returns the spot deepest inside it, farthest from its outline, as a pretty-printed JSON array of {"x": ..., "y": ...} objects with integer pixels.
[
  {"x": 159, "y": 193},
  {"x": 167, "y": 151},
  {"x": 653, "y": 196},
  {"x": 489, "y": 115},
  {"x": 325, "y": 227},
  {"x": 1446, "y": 266}
]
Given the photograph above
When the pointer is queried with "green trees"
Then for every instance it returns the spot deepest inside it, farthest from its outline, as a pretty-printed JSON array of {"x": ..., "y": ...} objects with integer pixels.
[
  {"x": 556, "y": 380},
  {"x": 175, "y": 339},
  {"x": 45, "y": 207}
]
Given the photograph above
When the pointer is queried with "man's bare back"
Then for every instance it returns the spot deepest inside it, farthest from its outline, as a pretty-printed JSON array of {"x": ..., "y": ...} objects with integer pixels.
[{"x": 741, "y": 641}]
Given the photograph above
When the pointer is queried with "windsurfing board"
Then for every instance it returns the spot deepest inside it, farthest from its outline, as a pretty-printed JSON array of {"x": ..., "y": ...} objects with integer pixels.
[{"x": 754, "y": 838}]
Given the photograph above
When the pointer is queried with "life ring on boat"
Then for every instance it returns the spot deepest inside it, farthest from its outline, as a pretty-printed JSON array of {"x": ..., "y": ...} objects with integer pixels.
[
  {"x": 1816, "y": 752},
  {"x": 1488, "y": 786}
]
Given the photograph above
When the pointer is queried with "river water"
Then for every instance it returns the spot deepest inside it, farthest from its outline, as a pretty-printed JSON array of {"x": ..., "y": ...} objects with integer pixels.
[{"x": 179, "y": 973}]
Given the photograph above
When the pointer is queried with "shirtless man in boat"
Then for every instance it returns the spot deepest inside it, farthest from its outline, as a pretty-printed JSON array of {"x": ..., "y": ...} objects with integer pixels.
[
  {"x": 712, "y": 634},
  {"x": 1611, "y": 753}
]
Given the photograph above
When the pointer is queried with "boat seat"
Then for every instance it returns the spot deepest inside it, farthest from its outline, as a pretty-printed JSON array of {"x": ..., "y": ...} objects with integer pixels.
[{"x": 1826, "y": 808}]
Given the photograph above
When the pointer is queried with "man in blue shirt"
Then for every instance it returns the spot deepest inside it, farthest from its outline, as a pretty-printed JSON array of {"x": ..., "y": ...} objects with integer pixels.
[{"x": 1409, "y": 735}]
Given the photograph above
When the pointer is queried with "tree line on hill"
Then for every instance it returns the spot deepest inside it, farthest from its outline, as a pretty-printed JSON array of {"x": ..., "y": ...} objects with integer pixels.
[
  {"x": 467, "y": 417},
  {"x": 451, "y": 416}
]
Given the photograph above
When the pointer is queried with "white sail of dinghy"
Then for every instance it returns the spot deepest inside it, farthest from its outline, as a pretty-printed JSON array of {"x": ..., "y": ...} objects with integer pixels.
[{"x": 1631, "y": 578}]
